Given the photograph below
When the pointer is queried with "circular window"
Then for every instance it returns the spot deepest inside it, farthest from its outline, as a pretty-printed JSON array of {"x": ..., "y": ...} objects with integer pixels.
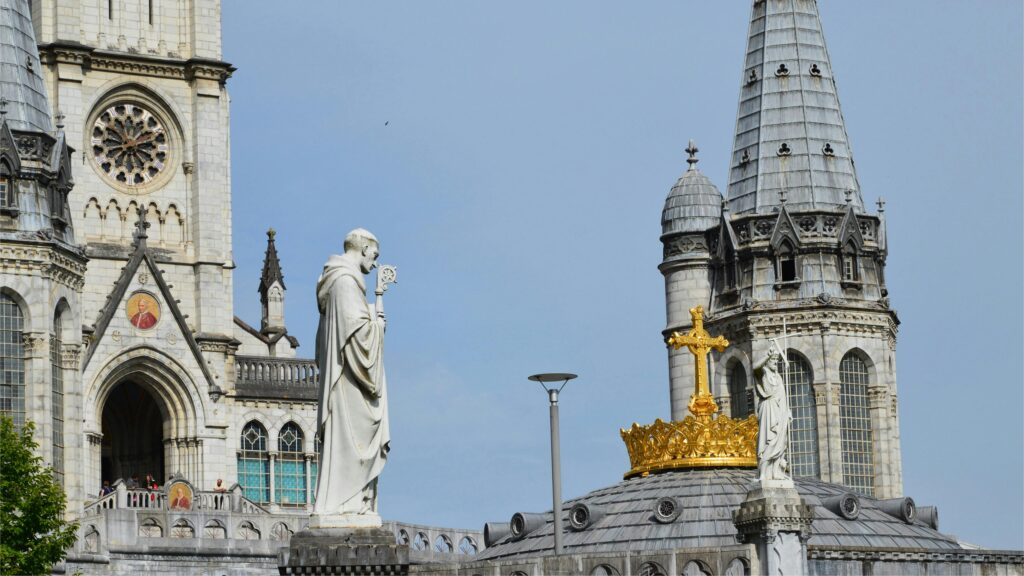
[
  {"x": 130, "y": 146},
  {"x": 666, "y": 510}
]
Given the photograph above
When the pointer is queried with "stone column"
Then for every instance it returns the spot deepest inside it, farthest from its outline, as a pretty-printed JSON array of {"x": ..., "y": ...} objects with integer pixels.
[
  {"x": 821, "y": 412},
  {"x": 309, "y": 489},
  {"x": 878, "y": 405},
  {"x": 778, "y": 522},
  {"x": 273, "y": 465}
]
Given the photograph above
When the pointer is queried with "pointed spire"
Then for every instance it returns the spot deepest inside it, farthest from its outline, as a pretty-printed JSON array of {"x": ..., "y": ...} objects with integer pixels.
[
  {"x": 271, "y": 266},
  {"x": 28, "y": 107},
  {"x": 790, "y": 133}
]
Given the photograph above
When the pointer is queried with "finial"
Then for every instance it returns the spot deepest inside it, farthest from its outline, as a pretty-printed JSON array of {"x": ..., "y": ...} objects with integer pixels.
[
  {"x": 60, "y": 120},
  {"x": 881, "y": 205},
  {"x": 141, "y": 225},
  {"x": 3, "y": 106},
  {"x": 725, "y": 206},
  {"x": 849, "y": 196},
  {"x": 692, "y": 151},
  {"x": 271, "y": 233},
  {"x": 783, "y": 196}
]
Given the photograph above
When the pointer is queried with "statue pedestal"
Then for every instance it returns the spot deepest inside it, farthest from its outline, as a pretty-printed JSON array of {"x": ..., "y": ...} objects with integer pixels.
[
  {"x": 350, "y": 550},
  {"x": 778, "y": 522}
]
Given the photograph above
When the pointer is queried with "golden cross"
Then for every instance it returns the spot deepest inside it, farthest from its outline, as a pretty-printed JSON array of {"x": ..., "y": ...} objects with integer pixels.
[{"x": 700, "y": 343}]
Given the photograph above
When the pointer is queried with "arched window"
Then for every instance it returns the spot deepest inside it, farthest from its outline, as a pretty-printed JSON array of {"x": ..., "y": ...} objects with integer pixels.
[
  {"x": 855, "y": 425},
  {"x": 848, "y": 259},
  {"x": 290, "y": 469},
  {"x": 803, "y": 431},
  {"x": 739, "y": 400},
  {"x": 785, "y": 263},
  {"x": 57, "y": 397},
  {"x": 254, "y": 463},
  {"x": 12, "y": 360}
]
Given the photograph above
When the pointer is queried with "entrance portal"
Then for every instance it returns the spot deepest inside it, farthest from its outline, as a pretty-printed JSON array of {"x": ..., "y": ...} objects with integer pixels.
[{"x": 132, "y": 435}]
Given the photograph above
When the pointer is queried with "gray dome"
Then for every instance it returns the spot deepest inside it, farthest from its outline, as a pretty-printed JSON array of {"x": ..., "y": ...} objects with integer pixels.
[
  {"x": 693, "y": 205},
  {"x": 624, "y": 518}
]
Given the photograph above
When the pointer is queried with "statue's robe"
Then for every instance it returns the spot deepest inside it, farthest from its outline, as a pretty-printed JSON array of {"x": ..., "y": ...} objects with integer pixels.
[
  {"x": 353, "y": 412},
  {"x": 773, "y": 418}
]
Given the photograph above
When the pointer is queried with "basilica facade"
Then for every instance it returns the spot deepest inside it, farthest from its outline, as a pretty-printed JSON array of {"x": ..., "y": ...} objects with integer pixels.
[{"x": 117, "y": 267}]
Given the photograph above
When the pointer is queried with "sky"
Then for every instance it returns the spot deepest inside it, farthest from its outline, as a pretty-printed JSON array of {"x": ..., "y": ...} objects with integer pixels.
[{"x": 514, "y": 157}]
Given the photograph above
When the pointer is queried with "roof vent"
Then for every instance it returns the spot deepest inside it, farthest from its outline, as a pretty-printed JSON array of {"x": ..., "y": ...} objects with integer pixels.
[
  {"x": 827, "y": 149},
  {"x": 523, "y": 523},
  {"x": 495, "y": 532},
  {"x": 666, "y": 510},
  {"x": 902, "y": 508},
  {"x": 752, "y": 78},
  {"x": 846, "y": 505},
  {"x": 581, "y": 516},
  {"x": 782, "y": 71},
  {"x": 785, "y": 150},
  {"x": 815, "y": 71},
  {"x": 929, "y": 516}
]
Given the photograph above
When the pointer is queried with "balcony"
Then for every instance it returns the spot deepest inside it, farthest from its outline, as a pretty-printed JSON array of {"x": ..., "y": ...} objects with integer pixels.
[{"x": 276, "y": 378}]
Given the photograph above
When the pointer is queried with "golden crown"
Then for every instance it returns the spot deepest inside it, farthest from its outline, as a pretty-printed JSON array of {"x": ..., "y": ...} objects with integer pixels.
[{"x": 704, "y": 440}]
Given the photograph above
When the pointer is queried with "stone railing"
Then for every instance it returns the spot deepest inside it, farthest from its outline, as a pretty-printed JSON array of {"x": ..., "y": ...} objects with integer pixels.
[
  {"x": 268, "y": 377},
  {"x": 141, "y": 499}
]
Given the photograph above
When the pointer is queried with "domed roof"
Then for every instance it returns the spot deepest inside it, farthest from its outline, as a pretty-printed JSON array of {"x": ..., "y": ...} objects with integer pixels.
[
  {"x": 693, "y": 204},
  {"x": 624, "y": 518}
]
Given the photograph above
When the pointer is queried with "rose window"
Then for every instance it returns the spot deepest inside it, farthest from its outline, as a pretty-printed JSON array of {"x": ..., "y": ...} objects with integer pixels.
[{"x": 129, "y": 144}]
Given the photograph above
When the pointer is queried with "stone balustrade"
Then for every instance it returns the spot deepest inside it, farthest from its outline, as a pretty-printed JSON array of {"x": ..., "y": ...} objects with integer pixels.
[{"x": 268, "y": 377}]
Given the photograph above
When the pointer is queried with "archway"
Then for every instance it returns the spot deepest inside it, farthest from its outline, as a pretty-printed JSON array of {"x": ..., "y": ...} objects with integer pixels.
[{"x": 133, "y": 434}]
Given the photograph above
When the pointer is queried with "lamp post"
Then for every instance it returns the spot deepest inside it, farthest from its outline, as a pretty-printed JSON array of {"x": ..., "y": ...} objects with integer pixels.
[{"x": 556, "y": 467}]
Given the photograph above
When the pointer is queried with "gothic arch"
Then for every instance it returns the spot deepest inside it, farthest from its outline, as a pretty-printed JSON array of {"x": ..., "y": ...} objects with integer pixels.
[
  {"x": 177, "y": 395},
  {"x": 720, "y": 376},
  {"x": 868, "y": 361},
  {"x": 26, "y": 312}
]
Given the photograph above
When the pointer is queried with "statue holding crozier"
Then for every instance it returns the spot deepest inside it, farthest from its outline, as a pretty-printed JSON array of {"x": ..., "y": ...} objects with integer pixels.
[{"x": 352, "y": 417}]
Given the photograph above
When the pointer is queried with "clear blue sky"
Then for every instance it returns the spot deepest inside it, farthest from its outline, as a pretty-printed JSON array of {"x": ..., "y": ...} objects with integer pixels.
[{"x": 514, "y": 157}]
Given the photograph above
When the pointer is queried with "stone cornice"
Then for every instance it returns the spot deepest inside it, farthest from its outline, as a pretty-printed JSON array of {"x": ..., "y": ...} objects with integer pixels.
[
  {"x": 818, "y": 552},
  {"x": 812, "y": 321},
  {"x": 49, "y": 259},
  {"x": 90, "y": 58}
]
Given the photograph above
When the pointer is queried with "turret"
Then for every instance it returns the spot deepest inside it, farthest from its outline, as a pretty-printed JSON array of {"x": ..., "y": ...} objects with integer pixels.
[
  {"x": 692, "y": 209},
  {"x": 272, "y": 289}
]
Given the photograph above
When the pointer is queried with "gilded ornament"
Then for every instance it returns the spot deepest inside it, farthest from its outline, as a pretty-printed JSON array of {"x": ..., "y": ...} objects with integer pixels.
[{"x": 704, "y": 440}]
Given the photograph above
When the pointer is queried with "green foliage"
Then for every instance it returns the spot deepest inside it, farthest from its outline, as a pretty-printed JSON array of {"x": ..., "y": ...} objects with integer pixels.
[{"x": 33, "y": 532}]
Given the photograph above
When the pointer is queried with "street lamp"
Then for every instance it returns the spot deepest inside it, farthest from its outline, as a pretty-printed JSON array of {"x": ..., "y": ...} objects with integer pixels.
[{"x": 556, "y": 467}]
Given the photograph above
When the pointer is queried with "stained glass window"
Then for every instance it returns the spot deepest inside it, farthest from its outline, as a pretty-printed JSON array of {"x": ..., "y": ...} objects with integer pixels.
[
  {"x": 254, "y": 463},
  {"x": 855, "y": 425},
  {"x": 57, "y": 398},
  {"x": 12, "y": 360},
  {"x": 290, "y": 468},
  {"x": 803, "y": 431},
  {"x": 738, "y": 398}
]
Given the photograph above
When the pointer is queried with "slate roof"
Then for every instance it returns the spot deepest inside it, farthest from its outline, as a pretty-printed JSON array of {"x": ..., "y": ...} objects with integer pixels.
[
  {"x": 707, "y": 499},
  {"x": 790, "y": 133},
  {"x": 694, "y": 204},
  {"x": 21, "y": 80}
]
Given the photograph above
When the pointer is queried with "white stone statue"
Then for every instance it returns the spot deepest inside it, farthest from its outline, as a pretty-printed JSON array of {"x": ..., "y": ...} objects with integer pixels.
[
  {"x": 773, "y": 417},
  {"x": 353, "y": 413}
]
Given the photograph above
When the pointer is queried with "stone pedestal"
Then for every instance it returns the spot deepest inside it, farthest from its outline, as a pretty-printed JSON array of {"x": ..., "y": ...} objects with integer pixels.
[
  {"x": 778, "y": 521},
  {"x": 364, "y": 551}
]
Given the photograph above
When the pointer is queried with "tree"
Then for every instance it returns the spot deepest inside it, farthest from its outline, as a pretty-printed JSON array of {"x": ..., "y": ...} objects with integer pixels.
[{"x": 33, "y": 532}]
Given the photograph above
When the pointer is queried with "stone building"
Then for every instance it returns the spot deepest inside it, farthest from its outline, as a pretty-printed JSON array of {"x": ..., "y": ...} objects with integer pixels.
[
  {"x": 116, "y": 283},
  {"x": 790, "y": 253},
  {"x": 119, "y": 339}
]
